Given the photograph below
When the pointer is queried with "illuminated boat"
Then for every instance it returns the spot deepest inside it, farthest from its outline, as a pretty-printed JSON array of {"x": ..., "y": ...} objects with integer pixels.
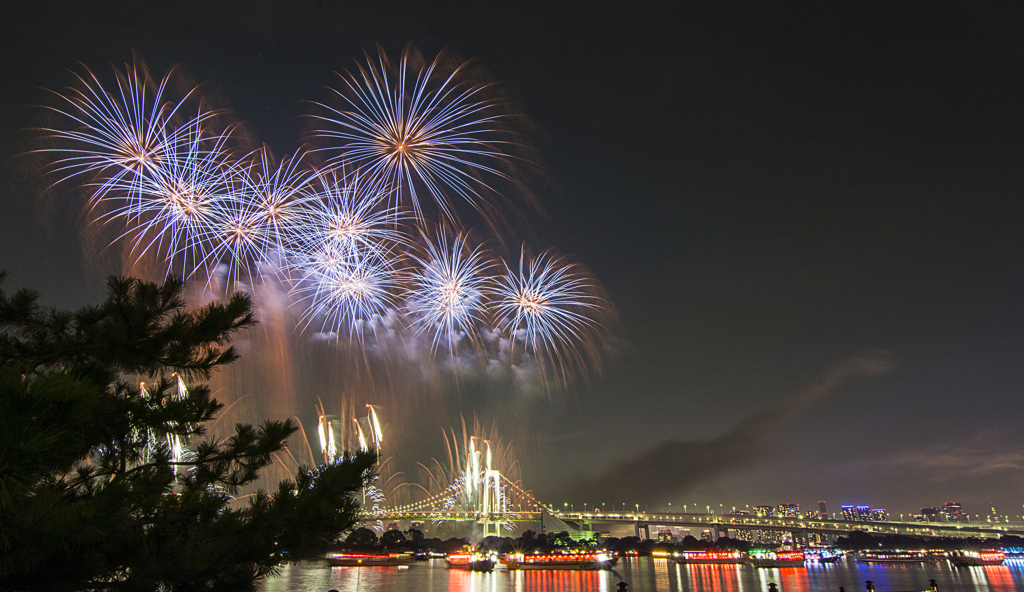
[
  {"x": 711, "y": 557},
  {"x": 777, "y": 558},
  {"x": 471, "y": 561},
  {"x": 369, "y": 559},
  {"x": 895, "y": 557},
  {"x": 968, "y": 558},
  {"x": 825, "y": 556},
  {"x": 560, "y": 561}
]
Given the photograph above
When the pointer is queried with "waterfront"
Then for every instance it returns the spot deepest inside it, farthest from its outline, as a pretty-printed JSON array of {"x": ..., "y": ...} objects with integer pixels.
[{"x": 647, "y": 574}]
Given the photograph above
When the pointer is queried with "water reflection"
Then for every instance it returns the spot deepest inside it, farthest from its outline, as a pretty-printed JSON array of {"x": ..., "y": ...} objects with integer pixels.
[
  {"x": 647, "y": 574},
  {"x": 558, "y": 580}
]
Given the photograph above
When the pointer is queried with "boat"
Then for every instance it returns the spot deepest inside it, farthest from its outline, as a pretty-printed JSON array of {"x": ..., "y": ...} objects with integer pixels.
[
  {"x": 777, "y": 558},
  {"x": 471, "y": 561},
  {"x": 895, "y": 557},
  {"x": 970, "y": 558},
  {"x": 560, "y": 561},
  {"x": 710, "y": 558},
  {"x": 825, "y": 556},
  {"x": 370, "y": 559}
]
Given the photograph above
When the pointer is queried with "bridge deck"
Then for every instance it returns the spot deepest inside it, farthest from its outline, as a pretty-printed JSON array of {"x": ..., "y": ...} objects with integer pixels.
[{"x": 731, "y": 522}]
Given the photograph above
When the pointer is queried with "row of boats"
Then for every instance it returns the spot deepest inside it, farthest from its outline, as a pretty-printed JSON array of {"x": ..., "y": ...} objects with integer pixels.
[
  {"x": 481, "y": 561},
  {"x": 583, "y": 561},
  {"x": 798, "y": 558}
]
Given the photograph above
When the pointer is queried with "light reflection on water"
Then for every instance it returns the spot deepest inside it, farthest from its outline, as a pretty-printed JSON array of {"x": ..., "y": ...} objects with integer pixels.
[{"x": 647, "y": 574}]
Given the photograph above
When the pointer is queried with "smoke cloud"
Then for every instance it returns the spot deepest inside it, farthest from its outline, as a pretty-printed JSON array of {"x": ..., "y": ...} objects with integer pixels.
[{"x": 673, "y": 467}]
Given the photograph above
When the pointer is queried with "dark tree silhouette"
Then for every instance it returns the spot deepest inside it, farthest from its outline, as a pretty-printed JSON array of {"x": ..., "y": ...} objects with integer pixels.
[{"x": 91, "y": 496}]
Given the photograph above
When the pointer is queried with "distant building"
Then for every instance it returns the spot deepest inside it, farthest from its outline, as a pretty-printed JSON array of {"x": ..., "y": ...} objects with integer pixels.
[
  {"x": 859, "y": 513},
  {"x": 764, "y": 510},
  {"x": 930, "y": 515},
  {"x": 954, "y": 512},
  {"x": 789, "y": 510},
  {"x": 707, "y": 535},
  {"x": 665, "y": 536},
  {"x": 821, "y": 509},
  {"x": 769, "y": 537},
  {"x": 879, "y": 515},
  {"x": 918, "y": 518}
]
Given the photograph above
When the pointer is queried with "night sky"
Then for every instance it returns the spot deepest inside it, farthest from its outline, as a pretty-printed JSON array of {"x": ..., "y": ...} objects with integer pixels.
[{"x": 766, "y": 190}]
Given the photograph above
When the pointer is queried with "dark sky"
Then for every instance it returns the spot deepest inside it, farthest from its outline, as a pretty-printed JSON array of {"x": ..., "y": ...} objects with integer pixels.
[{"x": 765, "y": 188}]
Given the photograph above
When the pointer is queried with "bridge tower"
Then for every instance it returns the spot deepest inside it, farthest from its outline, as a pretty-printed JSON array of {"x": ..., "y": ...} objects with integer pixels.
[
  {"x": 642, "y": 530},
  {"x": 491, "y": 502}
]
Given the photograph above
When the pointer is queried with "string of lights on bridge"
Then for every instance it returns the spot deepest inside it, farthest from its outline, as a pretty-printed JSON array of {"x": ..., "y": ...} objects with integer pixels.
[{"x": 432, "y": 503}]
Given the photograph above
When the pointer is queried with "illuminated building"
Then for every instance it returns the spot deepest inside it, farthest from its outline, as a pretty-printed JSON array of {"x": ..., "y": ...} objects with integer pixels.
[
  {"x": 879, "y": 515},
  {"x": 822, "y": 511},
  {"x": 859, "y": 513},
  {"x": 789, "y": 510},
  {"x": 769, "y": 537},
  {"x": 764, "y": 510},
  {"x": 954, "y": 512}
]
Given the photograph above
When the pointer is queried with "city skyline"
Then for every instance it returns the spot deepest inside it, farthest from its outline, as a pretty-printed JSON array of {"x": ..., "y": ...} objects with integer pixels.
[{"x": 765, "y": 193}]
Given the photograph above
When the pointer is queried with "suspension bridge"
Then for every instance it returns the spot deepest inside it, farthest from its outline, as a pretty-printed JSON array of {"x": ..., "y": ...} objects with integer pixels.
[
  {"x": 478, "y": 492},
  {"x": 484, "y": 496}
]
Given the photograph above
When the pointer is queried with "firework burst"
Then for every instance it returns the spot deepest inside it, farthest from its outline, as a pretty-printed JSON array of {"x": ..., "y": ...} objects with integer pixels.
[
  {"x": 418, "y": 134},
  {"x": 549, "y": 305},
  {"x": 261, "y": 211},
  {"x": 446, "y": 295},
  {"x": 174, "y": 178},
  {"x": 119, "y": 137}
]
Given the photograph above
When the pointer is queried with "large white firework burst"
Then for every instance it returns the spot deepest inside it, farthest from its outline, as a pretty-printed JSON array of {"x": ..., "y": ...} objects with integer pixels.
[{"x": 419, "y": 134}]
